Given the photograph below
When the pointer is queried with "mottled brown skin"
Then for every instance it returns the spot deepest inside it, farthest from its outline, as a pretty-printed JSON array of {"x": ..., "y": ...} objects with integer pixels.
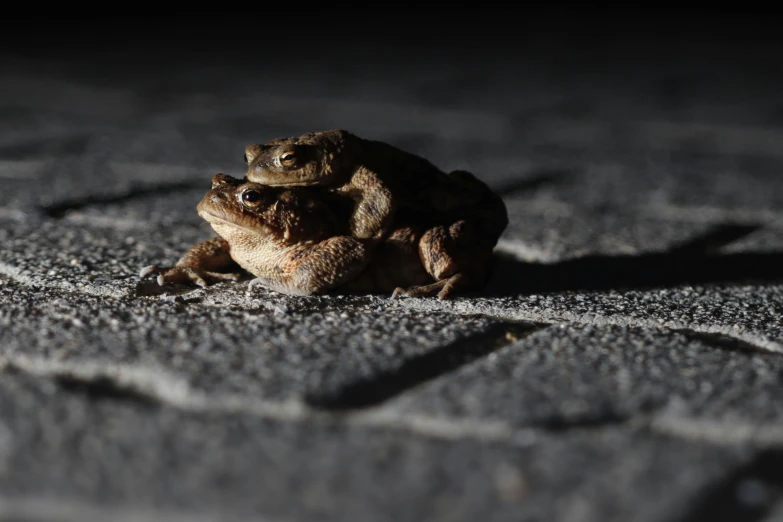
[
  {"x": 291, "y": 241},
  {"x": 464, "y": 217},
  {"x": 286, "y": 239},
  {"x": 381, "y": 179},
  {"x": 395, "y": 267}
]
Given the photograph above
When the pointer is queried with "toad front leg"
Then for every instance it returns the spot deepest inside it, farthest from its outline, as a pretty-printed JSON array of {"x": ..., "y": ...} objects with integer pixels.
[
  {"x": 310, "y": 269},
  {"x": 373, "y": 214},
  {"x": 205, "y": 263}
]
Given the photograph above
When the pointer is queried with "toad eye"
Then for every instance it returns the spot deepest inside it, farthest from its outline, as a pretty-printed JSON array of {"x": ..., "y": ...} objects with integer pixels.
[
  {"x": 288, "y": 158},
  {"x": 252, "y": 198}
]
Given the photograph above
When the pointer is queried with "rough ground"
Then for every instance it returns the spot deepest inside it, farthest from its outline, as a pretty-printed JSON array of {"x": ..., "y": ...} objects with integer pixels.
[{"x": 626, "y": 362}]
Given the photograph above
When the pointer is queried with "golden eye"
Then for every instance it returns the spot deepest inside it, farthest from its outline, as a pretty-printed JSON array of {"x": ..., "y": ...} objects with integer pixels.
[
  {"x": 252, "y": 198},
  {"x": 288, "y": 158}
]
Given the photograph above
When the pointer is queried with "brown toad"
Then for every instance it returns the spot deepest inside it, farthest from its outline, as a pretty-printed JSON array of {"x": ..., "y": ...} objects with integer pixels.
[
  {"x": 383, "y": 181},
  {"x": 289, "y": 239}
]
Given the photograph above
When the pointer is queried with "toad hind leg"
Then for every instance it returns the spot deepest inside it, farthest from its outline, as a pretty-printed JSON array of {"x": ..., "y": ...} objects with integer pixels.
[
  {"x": 456, "y": 257},
  {"x": 442, "y": 288}
]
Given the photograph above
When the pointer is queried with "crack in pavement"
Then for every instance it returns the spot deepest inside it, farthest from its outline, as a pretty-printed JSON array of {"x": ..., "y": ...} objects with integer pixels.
[
  {"x": 151, "y": 388},
  {"x": 417, "y": 370},
  {"x": 102, "y": 387},
  {"x": 722, "y": 341},
  {"x": 748, "y": 339}
]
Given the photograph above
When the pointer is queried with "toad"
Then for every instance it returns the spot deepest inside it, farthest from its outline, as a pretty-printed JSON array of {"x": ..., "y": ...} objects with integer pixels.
[
  {"x": 465, "y": 218},
  {"x": 381, "y": 179},
  {"x": 289, "y": 239}
]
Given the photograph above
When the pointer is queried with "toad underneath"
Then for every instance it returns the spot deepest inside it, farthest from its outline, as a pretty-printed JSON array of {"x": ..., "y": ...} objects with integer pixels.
[{"x": 290, "y": 239}]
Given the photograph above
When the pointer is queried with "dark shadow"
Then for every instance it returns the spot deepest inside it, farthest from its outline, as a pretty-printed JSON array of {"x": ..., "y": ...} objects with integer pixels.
[
  {"x": 721, "y": 341},
  {"x": 59, "y": 210},
  {"x": 747, "y": 494},
  {"x": 101, "y": 387},
  {"x": 533, "y": 182},
  {"x": 416, "y": 370},
  {"x": 696, "y": 262},
  {"x": 564, "y": 424}
]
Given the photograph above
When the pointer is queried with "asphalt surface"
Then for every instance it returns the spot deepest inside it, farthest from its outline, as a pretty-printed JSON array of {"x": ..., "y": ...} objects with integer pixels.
[{"x": 625, "y": 362}]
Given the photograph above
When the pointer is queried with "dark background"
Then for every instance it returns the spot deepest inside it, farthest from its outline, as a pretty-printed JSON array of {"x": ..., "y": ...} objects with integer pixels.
[{"x": 287, "y": 37}]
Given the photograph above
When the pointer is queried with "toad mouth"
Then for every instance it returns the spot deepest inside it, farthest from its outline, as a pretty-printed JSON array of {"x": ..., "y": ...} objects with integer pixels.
[{"x": 214, "y": 219}]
